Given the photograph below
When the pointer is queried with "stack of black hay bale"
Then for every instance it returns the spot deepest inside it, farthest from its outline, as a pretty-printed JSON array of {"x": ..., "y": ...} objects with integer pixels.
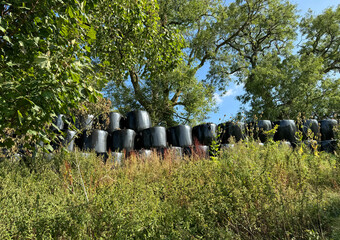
[{"x": 134, "y": 134}]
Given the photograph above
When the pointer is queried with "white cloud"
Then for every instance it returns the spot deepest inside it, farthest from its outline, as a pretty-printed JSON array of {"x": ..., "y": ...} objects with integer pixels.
[
  {"x": 229, "y": 92},
  {"x": 218, "y": 99},
  {"x": 234, "y": 91}
]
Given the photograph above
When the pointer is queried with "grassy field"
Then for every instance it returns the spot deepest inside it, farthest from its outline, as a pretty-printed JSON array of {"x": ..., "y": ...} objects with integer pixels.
[{"x": 248, "y": 192}]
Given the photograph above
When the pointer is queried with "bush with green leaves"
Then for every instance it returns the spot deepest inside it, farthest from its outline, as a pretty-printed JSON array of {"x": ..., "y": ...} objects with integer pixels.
[
  {"x": 44, "y": 67},
  {"x": 248, "y": 192}
]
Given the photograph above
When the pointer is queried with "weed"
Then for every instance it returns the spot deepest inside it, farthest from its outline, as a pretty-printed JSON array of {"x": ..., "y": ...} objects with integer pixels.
[{"x": 249, "y": 192}]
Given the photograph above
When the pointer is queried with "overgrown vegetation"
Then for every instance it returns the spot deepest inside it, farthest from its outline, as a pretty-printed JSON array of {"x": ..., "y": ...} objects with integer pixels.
[{"x": 248, "y": 192}]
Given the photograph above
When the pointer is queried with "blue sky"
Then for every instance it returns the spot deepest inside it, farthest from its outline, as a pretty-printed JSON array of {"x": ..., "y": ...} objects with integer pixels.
[{"x": 228, "y": 105}]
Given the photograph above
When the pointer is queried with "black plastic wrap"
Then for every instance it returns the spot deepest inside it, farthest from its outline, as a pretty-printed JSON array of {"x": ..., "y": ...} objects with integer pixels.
[
  {"x": 116, "y": 121},
  {"x": 85, "y": 122},
  {"x": 70, "y": 123},
  {"x": 327, "y": 129},
  {"x": 286, "y": 143},
  {"x": 103, "y": 155},
  {"x": 262, "y": 126},
  {"x": 180, "y": 136},
  {"x": 154, "y": 137},
  {"x": 139, "y": 141},
  {"x": 123, "y": 140},
  {"x": 313, "y": 125},
  {"x": 226, "y": 146},
  {"x": 204, "y": 133},
  {"x": 79, "y": 141},
  {"x": 232, "y": 129},
  {"x": 200, "y": 151},
  {"x": 97, "y": 141},
  {"x": 286, "y": 131},
  {"x": 84, "y": 142},
  {"x": 311, "y": 144},
  {"x": 138, "y": 120},
  {"x": 329, "y": 146}
]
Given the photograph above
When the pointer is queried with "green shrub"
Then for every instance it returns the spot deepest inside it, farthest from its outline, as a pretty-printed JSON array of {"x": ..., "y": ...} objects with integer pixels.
[{"x": 248, "y": 192}]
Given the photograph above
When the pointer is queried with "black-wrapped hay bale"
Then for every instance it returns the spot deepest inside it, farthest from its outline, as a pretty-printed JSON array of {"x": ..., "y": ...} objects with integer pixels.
[
  {"x": 263, "y": 126},
  {"x": 327, "y": 129},
  {"x": 286, "y": 131},
  {"x": 310, "y": 129},
  {"x": 174, "y": 153},
  {"x": 58, "y": 121},
  {"x": 97, "y": 141},
  {"x": 123, "y": 140},
  {"x": 115, "y": 158},
  {"x": 232, "y": 129},
  {"x": 86, "y": 122},
  {"x": 204, "y": 133},
  {"x": 311, "y": 144},
  {"x": 154, "y": 137},
  {"x": 69, "y": 140},
  {"x": 145, "y": 153},
  {"x": 138, "y": 120},
  {"x": 116, "y": 121},
  {"x": 180, "y": 136},
  {"x": 329, "y": 146},
  {"x": 199, "y": 151},
  {"x": 202, "y": 151}
]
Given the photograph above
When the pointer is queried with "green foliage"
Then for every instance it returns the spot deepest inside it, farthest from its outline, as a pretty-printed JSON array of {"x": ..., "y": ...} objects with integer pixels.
[
  {"x": 281, "y": 86},
  {"x": 100, "y": 110},
  {"x": 139, "y": 54},
  {"x": 322, "y": 37},
  {"x": 43, "y": 63},
  {"x": 232, "y": 37},
  {"x": 251, "y": 43},
  {"x": 270, "y": 134},
  {"x": 250, "y": 192},
  {"x": 215, "y": 146}
]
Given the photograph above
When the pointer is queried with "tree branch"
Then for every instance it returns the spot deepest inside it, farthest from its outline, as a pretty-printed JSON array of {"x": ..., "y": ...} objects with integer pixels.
[
  {"x": 175, "y": 98},
  {"x": 135, "y": 83}
]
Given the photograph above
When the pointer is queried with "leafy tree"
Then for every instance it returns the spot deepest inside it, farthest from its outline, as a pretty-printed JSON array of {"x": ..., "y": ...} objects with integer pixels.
[
  {"x": 251, "y": 42},
  {"x": 283, "y": 88},
  {"x": 322, "y": 35},
  {"x": 142, "y": 57},
  {"x": 43, "y": 59},
  {"x": 232, "y": 37},
  {"x": 305, "y": 82}
]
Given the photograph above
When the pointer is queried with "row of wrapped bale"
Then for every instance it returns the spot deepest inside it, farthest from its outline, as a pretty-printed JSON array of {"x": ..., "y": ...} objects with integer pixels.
[
  {"x": 130, "y": 133},
  {"x": 134, "y": 132},
  {"x": 311, "y": 129}
]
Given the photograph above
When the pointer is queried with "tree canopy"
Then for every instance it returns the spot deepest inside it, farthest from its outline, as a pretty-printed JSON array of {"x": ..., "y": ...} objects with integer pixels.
[
  {"x": 142, "y": 57},
  {"x": 255, "y": 43},
  {"x": 306, "y": 82}
]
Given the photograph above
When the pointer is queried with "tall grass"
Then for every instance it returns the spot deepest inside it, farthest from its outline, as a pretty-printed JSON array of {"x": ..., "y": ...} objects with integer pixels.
[{"x": 248, "y": 192}]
